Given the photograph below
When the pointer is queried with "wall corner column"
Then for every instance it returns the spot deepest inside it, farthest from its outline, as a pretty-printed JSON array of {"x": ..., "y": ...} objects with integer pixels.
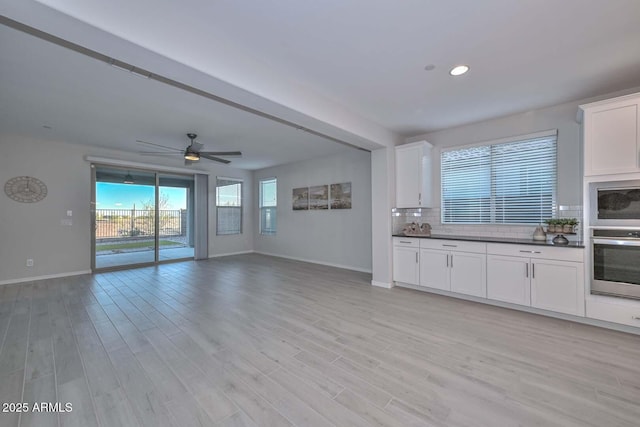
[{"x": 382, "y": 199}]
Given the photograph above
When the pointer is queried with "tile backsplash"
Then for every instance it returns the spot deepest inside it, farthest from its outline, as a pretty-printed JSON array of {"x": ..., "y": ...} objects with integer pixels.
[{"x": 432, "y": 216}]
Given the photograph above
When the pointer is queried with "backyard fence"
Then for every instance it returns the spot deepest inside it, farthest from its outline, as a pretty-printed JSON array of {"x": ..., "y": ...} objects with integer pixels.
[{"x": 119, "y": 223}]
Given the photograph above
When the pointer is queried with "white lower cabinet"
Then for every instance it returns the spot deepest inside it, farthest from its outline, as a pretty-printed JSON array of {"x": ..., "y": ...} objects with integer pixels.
[
  {"x": 558, "y": 286},
  {"x": 549, "y": 284},
  {"x": 452, "y": 270},
  {"x": 434, "y": 269},
  {"x": 406, "y": 261},
  {"x": 468, "y": 273},
  {"x": 508, "y": 279},
  {"x": 544, "y": 277}
]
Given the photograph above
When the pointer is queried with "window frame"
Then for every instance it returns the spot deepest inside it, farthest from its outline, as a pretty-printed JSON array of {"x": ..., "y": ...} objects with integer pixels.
[
  {"x": 272, "y": 231},
  {"x": 241, "y": 207},
  {"x": 492, "y": 167}
]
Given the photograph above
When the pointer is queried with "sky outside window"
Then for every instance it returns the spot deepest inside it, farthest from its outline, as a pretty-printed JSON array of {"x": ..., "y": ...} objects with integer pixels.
[{"x": 124, "y": 196}]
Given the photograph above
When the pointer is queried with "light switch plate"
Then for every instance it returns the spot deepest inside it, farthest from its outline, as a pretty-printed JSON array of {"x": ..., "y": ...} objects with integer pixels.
[{"x": 69, "y": 213}]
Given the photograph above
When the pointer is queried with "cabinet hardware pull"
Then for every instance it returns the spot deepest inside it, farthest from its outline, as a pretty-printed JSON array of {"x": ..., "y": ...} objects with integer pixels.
[
  {"x": 404, "y": 241},
  {"x": 417, "y": 257},
  {"x": 420, "y": 199},
  {"x": 451, "y": 260},
  {"x": 447, "y": 260},
  {"x": 635, "y": 317},
  {"x": 531, "y": 252},
  {"x": 533, "y": 270},
  {"x": 526, "y": 270},
  {"x": 450, "y": 246}
]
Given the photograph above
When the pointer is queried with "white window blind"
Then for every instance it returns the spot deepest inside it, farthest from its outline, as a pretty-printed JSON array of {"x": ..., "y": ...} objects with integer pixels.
[
  {"x": 268, "y": 206},
  {"x": 228, "y": 206},
  {"x": 505, "y": 183}
]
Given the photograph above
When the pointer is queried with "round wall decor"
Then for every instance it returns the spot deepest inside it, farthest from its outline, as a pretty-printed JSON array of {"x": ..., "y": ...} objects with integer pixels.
[{"x": 25, "y": 189}]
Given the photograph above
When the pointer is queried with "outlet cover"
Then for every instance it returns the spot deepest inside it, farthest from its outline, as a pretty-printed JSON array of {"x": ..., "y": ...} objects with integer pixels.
[
  {"x": 29, "y": 262},
  {"x": 69, "y": 213}
]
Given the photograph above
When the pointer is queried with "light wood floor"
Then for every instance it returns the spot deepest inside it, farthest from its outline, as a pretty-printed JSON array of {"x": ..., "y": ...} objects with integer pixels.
[{"x": 254, "y": 340}]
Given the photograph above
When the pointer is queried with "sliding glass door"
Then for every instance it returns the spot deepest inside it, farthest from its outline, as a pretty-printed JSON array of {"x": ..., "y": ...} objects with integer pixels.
[
  {"x": 175, "y": 214},
  {"x": 140, "y": 217}
]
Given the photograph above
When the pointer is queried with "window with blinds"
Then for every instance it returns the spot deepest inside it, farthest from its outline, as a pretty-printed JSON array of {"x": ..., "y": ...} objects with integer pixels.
[
  {"x": 268, "y": 206},
  {"x": 503, "y": 183},
  {"x": 228, "y": 206}
]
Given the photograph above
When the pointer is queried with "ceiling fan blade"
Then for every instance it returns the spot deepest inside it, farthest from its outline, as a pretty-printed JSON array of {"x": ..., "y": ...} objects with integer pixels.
[
  {"x": 215, "y": 159},
  {"x": 158, "y": 153},
  {"x": 158, "y": 145},
  {"x": 222, "y": 153}
]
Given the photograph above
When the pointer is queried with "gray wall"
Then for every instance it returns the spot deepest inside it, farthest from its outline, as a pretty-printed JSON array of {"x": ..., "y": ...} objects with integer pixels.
[
  {"x": 34, "y": 230},
  {"x": 562, "y": 117},
  {"x": 335, "y": 237}
]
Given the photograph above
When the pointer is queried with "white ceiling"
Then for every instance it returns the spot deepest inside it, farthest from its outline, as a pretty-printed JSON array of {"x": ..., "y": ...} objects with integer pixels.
[{"x": 363, "y": 58}]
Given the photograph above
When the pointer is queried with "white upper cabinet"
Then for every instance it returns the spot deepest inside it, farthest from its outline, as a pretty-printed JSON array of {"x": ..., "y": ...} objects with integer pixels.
[
  {"x": 611, "y": 136},
  {"x": 413, "y": 175}
]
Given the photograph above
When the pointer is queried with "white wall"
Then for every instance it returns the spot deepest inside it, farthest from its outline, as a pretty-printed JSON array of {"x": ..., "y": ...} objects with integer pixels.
[
  {"x": 336, "y": 237},
  {"x": 34, "y": 230}
]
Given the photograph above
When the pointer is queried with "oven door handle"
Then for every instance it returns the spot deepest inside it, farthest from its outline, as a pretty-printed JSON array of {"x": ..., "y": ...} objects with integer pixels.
[{"x": 616, "y": 242}]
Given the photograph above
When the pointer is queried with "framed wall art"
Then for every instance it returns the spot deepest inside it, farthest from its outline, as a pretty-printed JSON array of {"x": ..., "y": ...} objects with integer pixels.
[{"x": 300, "y": 199}]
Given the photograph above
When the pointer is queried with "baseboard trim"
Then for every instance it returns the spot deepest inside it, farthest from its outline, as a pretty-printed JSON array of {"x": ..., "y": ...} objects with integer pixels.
[
  {"x": 48, "y": 276},
  {"x": 311, "y": 261},
  {"x": 230, "y": 254},
  {"x": 578, "y": 319},
  {"x": 382, "y": 284}
]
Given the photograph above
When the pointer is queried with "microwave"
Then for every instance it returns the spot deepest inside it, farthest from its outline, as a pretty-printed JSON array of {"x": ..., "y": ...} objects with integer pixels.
[{"x": 615, "y": 203}]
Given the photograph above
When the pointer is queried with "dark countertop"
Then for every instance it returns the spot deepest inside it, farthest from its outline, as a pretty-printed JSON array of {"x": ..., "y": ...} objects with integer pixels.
[{"x": 511, "y": 240}]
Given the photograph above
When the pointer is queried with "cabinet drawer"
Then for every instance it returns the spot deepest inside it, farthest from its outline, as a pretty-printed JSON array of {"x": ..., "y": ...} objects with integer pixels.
[
  {"x": 602, "y": 309},
  {"x": 406, "y": 241},
  {"x": 454, "y": 245},
  {"x": 534, "y": 251}
]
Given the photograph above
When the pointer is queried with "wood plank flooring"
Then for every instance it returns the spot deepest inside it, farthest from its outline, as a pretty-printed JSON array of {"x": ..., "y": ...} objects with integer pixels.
[{"x": 253, "y": 340}]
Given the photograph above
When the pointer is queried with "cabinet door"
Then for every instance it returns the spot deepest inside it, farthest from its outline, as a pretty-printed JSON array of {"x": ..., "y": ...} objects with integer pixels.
[
  {"x": 558, "y": 286},
  {"x": 434, "y": 269},
  {"x": 468, "y": 273},
  {"x": 408, "y": 176},
  {"x": 405, "y": 265},
  {"x": 508, "y": 279},
  {"x": 611, "y": 139}
]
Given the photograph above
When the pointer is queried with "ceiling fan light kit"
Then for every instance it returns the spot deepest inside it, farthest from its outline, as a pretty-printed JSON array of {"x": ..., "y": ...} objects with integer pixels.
[{"x": 192, "y": 153}]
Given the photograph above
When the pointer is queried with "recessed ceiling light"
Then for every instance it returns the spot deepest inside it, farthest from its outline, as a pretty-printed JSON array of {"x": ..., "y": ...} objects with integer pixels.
[{"x": 459, "y": 70}]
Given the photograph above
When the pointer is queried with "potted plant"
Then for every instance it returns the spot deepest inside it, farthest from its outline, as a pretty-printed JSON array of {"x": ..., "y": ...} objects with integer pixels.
[
  {"x": 572, "y": 223},
  {"x": 550, "y": 225},
  {"x": 553, "y": 225}
]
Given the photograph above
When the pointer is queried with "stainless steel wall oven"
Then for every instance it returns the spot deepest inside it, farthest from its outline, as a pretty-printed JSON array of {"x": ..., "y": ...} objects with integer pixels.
[{"x": 616, "y": 263}]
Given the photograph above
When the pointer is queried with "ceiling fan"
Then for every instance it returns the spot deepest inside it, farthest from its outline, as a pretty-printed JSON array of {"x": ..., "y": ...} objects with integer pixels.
[{"x": 191, "y": 154}]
